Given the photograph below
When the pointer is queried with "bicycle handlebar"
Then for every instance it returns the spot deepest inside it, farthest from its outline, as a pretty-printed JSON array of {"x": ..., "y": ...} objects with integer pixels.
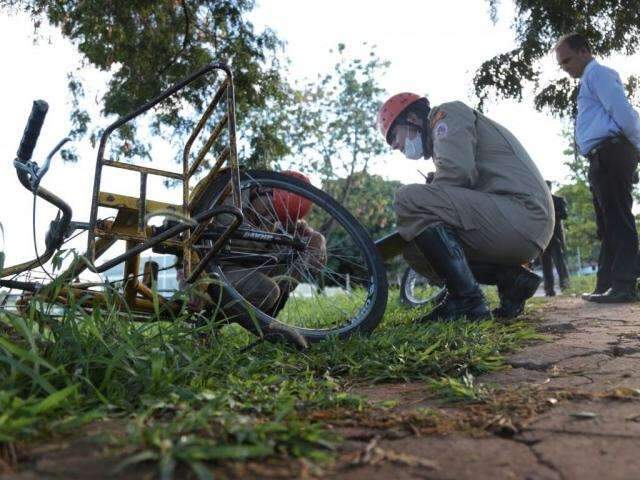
[{"x": 32, "y": 130}]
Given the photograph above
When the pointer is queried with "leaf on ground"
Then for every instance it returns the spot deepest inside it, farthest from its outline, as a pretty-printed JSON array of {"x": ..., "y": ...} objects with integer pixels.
[{"x": 583, "y": 415}]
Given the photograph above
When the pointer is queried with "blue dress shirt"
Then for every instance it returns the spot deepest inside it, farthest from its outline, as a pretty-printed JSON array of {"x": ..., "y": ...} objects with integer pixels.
[{"x": 603, "y": 109}]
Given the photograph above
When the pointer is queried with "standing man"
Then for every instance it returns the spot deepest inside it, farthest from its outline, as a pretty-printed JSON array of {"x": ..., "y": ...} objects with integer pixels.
[
  {"x": 554, "y": 253},
  {"x": 486, "y": 212},
  {"x": 607, "y": 132}
]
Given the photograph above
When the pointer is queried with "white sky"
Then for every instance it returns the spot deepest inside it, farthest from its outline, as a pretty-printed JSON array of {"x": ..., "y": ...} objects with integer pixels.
[{"x": 434, "y": 47}]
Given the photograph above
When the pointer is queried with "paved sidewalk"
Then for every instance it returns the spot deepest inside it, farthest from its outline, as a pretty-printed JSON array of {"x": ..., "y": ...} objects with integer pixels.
[{"x": 589, "y": 375}]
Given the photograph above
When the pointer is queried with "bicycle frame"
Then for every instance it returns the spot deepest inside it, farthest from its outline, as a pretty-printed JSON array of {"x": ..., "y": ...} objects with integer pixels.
[{"x": 130, "y": 225}]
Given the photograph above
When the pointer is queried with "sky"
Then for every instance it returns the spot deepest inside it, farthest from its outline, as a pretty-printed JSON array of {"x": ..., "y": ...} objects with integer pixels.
[{"x": 434, "y": 48}]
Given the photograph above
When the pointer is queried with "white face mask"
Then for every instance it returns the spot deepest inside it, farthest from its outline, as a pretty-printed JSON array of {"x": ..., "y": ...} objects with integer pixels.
[{"x": 413, "y": 147}]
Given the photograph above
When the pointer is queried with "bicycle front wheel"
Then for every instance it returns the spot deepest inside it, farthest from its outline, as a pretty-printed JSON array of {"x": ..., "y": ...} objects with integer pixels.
[{"x": 321, "y": 276}]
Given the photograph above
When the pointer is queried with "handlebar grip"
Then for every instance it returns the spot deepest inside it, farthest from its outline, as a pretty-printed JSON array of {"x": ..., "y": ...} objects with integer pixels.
[{"x": 32, "y": 130}]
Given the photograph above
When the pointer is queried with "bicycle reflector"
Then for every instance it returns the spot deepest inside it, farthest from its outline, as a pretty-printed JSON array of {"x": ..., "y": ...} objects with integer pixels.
[{"x": 290, "y": 207}]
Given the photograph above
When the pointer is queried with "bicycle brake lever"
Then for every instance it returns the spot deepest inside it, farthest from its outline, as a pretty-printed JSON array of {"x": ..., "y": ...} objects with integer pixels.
[
  {"x": 31, "y": 168},
  {"x": 45, "y": 167}
]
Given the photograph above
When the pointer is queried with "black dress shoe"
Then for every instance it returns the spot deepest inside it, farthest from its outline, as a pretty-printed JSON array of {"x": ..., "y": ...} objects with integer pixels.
[
  {"x": 615, "y": 296},
  {"x": 587, "y": 296}
]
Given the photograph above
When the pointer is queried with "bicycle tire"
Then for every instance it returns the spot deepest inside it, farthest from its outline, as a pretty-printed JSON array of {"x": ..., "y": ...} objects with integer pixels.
[
  {"x": 362, "y": 319},
  {"x": 430, "y": 292}
]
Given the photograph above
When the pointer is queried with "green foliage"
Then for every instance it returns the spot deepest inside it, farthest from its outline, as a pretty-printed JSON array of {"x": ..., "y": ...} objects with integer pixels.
[
  {"x": 458, "y": 389},
  {"x": 192, "y": 398},
  {"x": 580, "y": 226},
  {"x": 337, "y": 137},
  {"x": 581, "y": 284},
  {"x": 370, "y": 201},
  {"x": 611, "y": 26},
  {"x": 148, "y": 46}
]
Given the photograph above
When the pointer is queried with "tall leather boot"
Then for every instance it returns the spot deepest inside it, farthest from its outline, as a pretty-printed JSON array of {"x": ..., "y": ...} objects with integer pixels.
[
  {"x": 515, "y": 285},
  {"x": 440, "y": 246}
]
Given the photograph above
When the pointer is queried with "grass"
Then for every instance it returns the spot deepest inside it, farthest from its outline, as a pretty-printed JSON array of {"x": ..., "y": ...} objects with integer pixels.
[
  {"x": 192, "y": 396},
  {"x": 581, "y": 284}
]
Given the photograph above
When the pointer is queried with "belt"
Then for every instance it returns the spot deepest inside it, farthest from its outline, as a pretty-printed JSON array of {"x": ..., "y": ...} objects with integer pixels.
[{"x": 604, "y": 144}]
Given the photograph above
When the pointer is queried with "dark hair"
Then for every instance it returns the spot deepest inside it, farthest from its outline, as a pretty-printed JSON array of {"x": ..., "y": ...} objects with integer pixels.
[{"x": 576, "y": 41}]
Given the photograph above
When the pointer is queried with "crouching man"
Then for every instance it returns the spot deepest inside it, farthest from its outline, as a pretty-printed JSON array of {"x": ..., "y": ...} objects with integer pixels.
[{"x": 487, "y": 212}]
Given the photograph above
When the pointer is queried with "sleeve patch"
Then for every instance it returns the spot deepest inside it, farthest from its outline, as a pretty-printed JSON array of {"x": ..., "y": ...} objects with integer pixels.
[{"x": 441, "y": 129}]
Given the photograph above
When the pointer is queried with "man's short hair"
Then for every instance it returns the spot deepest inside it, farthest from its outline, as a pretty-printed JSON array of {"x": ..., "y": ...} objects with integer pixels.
[{"x": 576, "y": 41}]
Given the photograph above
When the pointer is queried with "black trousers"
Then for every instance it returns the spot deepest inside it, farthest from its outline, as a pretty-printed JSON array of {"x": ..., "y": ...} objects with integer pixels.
[
  {"x": 611, "y": 172},
  {"x": 554, "y": 254}
]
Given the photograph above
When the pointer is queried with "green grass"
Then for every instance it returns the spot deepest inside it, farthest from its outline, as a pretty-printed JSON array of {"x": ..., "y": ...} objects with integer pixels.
[
  {"x": 581, "y": 284},
  {"x": 192, "y": 395}
]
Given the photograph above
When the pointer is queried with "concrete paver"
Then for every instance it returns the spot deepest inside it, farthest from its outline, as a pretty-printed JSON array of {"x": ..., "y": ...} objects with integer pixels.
[{"x": 592, "y": 362}]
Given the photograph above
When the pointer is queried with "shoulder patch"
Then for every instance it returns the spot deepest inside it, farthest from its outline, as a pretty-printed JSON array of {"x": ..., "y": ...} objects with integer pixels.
[
  {"x": 441, "y": 129},
  {"x": 437, "y": 117}
]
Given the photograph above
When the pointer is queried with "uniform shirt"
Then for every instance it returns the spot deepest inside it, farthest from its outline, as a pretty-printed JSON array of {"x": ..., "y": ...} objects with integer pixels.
[
  {"x": 474, "y": 152},
  {"x": 603, "y": 109}
]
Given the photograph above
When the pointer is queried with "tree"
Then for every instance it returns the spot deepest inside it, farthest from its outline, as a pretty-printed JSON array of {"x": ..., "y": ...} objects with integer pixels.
[
  {"x": 336, "y": 135},
  {"x": 611, "y": 26},
  {"x": 370, "y": 201},
  {"x": 580, "y": 226},
  {"x": 147, "y": 46}
]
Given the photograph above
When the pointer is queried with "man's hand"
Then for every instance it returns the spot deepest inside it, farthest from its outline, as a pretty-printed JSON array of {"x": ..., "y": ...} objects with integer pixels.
[{"x": 316, "y": 254}]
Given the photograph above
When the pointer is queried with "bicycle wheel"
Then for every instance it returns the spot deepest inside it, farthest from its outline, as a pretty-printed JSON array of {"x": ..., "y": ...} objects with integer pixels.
[
  {"x": 270, "y": 285},
  {"x": 416, "y": 290}
]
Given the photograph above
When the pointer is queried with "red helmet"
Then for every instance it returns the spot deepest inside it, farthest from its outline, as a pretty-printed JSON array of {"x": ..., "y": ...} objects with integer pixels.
[
  {"x": 290, "y": 207},
  {"x": 392, "y": 108}
]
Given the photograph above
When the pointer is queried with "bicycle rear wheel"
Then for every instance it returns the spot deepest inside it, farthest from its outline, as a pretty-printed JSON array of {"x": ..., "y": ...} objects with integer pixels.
[
  {"x": 266, "y": 286},
  {"x": 416, "y": 290}
]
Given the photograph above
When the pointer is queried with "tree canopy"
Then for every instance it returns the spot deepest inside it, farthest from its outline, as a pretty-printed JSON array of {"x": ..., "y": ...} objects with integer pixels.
[
  {"x": 148, "y": 46},
  {"x": 611, "y": 26},
  {"x": 335, "y": 134}
]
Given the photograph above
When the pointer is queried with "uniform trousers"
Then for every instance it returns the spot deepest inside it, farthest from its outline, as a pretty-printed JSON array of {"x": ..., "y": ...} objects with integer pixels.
[
  {"x": 263, "y": 291},
  {"x": 611, "y": 172},
  {"x": 554, "y": 254},
  {"x": 489, "y": 237}
]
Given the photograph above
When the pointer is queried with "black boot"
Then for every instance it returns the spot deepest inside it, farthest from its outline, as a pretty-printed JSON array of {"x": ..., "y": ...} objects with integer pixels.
[
  {"x": 440, "y": 247},
  {"x": 515, "y": 285}
]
